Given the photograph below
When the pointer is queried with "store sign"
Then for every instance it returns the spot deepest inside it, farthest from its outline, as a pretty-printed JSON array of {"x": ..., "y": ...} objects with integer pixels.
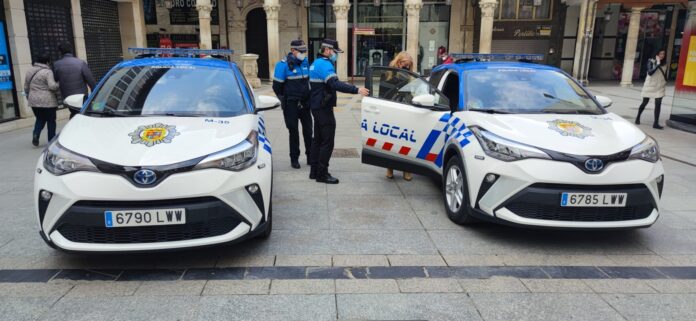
[
  {"x": 364, "y": 31},
  {"x": 517, "y": 30},
  {"x": 184, "y": 12},
  {"x": 5, "y": 70},
  {"x": 690, "y": 68}
]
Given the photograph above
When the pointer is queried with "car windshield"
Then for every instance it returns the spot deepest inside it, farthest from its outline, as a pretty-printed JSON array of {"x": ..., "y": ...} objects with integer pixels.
[
  {"x": 169, "y": 90},
  {"x": 526, "y": 90}
]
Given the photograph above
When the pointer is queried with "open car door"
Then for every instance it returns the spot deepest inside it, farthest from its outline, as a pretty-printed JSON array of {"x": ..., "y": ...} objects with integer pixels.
[{"x": 402, "y": 120}]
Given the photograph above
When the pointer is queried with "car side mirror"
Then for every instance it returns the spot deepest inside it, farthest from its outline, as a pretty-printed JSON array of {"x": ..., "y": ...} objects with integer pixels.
[
  {"x": 74, "y": 101},
  {"x": 604, "y": 101},
  {"x": 266, "y": 103},
  {"x": 425, "y": 100}
]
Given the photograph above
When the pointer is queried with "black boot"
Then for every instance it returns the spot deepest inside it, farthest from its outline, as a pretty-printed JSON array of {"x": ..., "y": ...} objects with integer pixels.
[
  {"x": 638, "y": 120},
  {"x": 657, "y": 126},
  {"x": 328, "y": 179},
  {"x": 295, "y": 164},
  {"x": 313, "y": 173},
  {"x": 35, "y": 140}
]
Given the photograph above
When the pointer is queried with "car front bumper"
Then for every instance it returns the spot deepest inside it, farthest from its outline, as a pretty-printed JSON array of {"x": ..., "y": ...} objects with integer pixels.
[
  {"x": 219, "y": 209},
  {"x": 528, "y": 192}
]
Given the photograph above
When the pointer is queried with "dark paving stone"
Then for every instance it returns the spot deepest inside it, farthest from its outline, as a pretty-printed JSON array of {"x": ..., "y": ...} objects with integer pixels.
[
  {"x": 679, "y": 272},
  {"x": 88, "y": 275},
  {"x": 233, "y": 273},
  {"x": 358, "y": 272},
  {"x": 12, "y": 276},
  {"x": 396, "y": 272},
  {"x": 327, "y": 273},
  {"x": 151, "y": 275},
  {"x": 523, "y": 272},
  {"x": 632, "y": 272},
  {"x": 575, "y": 272},
  {"x": 278, "y": 272},
  {"x": 440, "y": 271}
]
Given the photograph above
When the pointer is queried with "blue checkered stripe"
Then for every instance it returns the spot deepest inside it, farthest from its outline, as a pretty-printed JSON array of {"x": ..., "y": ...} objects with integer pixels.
[
  {"x": 262, "y": 136},
  {"x": 448, "y": 126}
]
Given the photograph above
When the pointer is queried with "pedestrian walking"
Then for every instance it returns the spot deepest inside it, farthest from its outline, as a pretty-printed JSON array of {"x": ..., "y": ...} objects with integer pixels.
[
  {"x": 654, "y": 86},
  {"x": 72, "y": 74},
  {"x": 291, "y": 85},
  {"x": 324, "y": 84},
  {"x": 403, "y": 60},
  {"x": 41, "y": 90}
]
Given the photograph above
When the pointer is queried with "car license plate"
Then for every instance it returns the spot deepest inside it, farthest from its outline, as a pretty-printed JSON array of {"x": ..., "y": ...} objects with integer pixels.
[
  {"x": 594, "y": 199},
  {"x": 172, "y": 216}
]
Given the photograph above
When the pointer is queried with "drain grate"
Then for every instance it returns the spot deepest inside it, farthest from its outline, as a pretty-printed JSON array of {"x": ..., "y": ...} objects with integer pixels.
[{"x": 345, "y": 153}]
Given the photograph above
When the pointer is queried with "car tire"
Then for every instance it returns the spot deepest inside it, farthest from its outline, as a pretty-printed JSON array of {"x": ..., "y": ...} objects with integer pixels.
[{"x": 455, "y": 193}]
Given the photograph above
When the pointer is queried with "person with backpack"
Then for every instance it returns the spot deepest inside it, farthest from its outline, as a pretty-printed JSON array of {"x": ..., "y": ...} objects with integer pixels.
[{"x": 41, "y": 90}]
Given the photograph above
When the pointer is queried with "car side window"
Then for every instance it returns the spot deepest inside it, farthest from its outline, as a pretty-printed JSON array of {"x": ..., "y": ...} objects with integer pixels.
[
  {"x": 400, "y": 86},
  {"x": 450, "y": 88},
  {"x": 436, "y": 77}
]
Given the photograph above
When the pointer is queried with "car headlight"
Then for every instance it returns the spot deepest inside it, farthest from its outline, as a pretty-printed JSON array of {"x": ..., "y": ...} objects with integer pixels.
[
  {"x": 647, "y": 150},
  {"x": 59, "y": 160},
  {"x": 504, "y": 149},
  {"x": 235, "y": 158}
]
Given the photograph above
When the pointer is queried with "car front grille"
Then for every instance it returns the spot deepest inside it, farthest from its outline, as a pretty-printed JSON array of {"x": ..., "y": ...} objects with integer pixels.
[
  {"x": 542, "y": 202},
  {"x": 578, "y": 214},
  {"x": 147, "y": 234},
  {"x": 205, "y": 217}
]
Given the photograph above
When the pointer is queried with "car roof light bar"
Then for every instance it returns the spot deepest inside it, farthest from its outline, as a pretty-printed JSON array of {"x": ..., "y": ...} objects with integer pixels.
[
  {"x": 497, "y": 57},
  {"x": 180, "y": 52}
]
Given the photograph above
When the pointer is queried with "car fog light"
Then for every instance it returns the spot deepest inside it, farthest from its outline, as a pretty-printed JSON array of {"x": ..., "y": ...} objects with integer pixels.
[
  {"x": 46, "y": 195},
  {"x": 659, "y": 179},
  {"x": 253, "y": 188},
  {"x": 490, "y": 178}
]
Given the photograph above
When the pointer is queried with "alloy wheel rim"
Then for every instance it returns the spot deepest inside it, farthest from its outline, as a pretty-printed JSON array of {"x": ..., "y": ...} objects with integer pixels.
[{"x": 454, "y": 189}]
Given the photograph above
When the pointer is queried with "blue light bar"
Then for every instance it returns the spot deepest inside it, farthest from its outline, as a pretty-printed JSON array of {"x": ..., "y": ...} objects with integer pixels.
[
  {"x": 181, "y": 52},
  {"x": 497, "y": 57}
]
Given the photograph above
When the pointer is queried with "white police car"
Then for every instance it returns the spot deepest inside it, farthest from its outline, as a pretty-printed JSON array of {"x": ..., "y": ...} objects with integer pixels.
[
  {"x": 167, "y": 153},
  {"x": 516, "y": 143}
]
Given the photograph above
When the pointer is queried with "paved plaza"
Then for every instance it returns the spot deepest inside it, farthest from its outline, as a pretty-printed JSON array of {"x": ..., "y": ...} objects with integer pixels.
[{"x": 368, "y": 248}]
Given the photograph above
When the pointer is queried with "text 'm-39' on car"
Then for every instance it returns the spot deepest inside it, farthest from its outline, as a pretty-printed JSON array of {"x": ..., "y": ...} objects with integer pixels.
[
  {"x": 169, "y": 152},
  {"x": 513, "y": 142}
]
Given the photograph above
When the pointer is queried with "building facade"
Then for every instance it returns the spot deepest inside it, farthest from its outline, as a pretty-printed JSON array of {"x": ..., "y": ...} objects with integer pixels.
[{"x": 591, "y": 39}]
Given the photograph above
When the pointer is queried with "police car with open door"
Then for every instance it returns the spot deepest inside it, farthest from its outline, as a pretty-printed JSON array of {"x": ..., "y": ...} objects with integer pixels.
[
  {"x": 513, "y": 142},
  {"x": 168, "y": 152}
]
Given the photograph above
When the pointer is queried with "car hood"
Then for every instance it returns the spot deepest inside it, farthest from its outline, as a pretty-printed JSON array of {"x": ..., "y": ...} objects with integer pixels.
[
  {"x": 571, "y": 134},
  {"x": 153, "y": 141}
]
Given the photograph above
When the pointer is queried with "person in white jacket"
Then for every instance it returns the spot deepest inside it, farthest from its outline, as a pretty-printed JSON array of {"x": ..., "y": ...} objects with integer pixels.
[{"x": 654, "y": 86}]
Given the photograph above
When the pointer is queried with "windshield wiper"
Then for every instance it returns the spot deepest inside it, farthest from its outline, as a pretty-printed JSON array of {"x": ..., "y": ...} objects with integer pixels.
[
  {"x": 175, "y": 115},
  {"x": 490, "y": 111},
  {"x": 106, "y": 112}
]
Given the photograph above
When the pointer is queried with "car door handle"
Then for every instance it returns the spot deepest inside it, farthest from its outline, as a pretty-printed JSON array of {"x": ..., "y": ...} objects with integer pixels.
[{"x": 372, "y": 110}]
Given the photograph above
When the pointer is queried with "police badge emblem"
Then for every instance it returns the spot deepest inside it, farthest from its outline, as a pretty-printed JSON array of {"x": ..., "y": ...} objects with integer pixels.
[
  {"x": 570, "y": 128},
  {"x": 151, "y": 135}
]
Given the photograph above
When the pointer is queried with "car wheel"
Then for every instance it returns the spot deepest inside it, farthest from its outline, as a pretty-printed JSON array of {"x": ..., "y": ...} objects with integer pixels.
[{"x": 456, "y": 193}]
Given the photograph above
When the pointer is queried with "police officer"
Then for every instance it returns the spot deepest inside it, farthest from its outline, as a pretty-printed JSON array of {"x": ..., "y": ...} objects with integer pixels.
[
  {"x": 291, "y": 85},
  {"x": 324, "y": 84}
]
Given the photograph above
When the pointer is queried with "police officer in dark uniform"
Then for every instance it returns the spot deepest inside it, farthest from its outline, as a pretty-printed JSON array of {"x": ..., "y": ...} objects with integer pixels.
[
  {"x": 291, "y": 85},
  {"x": 324, "y": 83}
]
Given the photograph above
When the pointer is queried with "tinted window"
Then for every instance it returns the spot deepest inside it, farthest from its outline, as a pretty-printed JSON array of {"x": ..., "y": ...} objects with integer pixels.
[
  {"x": 400, "y": 86},
  {"x": 182, "y": 90},
  {"x": 526, "y": 90}
]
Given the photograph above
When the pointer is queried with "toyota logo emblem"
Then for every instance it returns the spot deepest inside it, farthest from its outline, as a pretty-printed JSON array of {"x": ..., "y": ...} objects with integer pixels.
[
  {"x": 594, "y": 164},
  {"x": 145, "y": 177}
]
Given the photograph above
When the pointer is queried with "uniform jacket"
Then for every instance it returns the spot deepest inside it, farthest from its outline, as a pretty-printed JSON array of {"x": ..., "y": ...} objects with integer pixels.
[
  {"x": 41, "y": 86},
  {"x": 655, "y": 81},
  {"x": 324, "y": 83},
  {"x": 73, "y": 76},
  {"x": 291, "y": 78}
]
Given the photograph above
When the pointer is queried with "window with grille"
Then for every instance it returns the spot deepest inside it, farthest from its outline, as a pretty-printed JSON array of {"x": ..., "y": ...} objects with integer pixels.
[
  {"x": 49, "y": 23},
  {"x": 102, "y": 35}
]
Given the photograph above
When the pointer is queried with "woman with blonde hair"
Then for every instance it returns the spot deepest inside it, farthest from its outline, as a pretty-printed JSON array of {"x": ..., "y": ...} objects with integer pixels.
[{"x": 403, "y": 60}]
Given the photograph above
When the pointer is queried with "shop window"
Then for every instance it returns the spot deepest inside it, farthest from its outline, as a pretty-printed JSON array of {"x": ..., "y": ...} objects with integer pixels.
[{"x": 524, "y": 10}]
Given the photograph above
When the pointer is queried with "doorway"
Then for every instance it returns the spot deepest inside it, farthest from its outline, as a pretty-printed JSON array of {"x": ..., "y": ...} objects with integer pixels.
[{"x": 257, "y": 39}]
